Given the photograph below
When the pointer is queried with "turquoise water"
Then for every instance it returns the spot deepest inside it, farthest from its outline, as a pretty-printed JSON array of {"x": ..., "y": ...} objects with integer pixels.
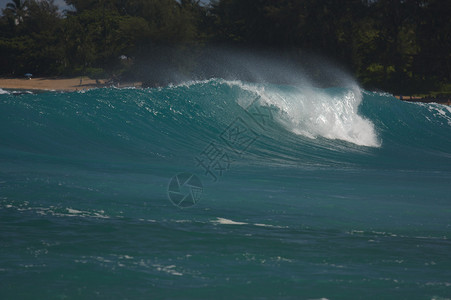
[{"x": 224, "y": 189}]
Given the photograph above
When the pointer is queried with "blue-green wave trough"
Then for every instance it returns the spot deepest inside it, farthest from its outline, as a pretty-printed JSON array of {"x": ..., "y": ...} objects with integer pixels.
[{"x": 224, "y": 190}]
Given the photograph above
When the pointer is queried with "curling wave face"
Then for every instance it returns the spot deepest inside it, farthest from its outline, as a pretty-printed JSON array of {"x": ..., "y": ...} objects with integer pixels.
[{"x": 177, "y": 121}]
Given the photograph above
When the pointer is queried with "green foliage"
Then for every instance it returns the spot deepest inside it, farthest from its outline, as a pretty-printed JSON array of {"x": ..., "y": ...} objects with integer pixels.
[
  {"x": 95, "y": 73},
  {"x": 388, "y": 44}
]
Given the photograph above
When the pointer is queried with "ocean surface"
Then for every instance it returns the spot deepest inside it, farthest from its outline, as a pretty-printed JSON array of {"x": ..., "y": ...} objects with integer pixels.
[{"x": 223, "y": 189}]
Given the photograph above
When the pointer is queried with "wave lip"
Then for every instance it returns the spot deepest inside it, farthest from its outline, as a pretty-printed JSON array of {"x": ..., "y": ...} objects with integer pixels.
[
  {"x": 331, "y": 113},
  {"x": 333, "y": 117}
]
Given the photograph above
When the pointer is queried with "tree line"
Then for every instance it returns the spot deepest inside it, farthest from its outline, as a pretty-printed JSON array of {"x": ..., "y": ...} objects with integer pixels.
[{"x": 401, "y": 46}]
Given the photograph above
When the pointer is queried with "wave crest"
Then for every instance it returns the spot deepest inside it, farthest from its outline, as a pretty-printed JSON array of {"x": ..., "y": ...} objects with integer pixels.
[{"x": 331, "y": 113}]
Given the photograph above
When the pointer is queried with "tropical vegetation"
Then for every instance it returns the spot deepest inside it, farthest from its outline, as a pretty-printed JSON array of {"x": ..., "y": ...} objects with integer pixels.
[{"x": 396, "y": 45}]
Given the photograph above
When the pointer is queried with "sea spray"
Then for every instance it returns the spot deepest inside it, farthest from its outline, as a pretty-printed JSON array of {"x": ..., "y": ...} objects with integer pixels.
[{"x": 331, "y": 113}]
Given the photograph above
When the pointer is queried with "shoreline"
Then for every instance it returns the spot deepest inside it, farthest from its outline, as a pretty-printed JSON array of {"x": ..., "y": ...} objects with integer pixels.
[
  {"x": 440, "y": 99},
  {"x": 81, "y": 83},
  {"x": 60, "y": 84}
]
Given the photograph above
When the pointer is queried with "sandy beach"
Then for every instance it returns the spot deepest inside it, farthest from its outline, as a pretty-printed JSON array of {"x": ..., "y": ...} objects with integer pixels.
[
  {"x": 84, "y": 83},
  {"x": 58, "y": 84}
]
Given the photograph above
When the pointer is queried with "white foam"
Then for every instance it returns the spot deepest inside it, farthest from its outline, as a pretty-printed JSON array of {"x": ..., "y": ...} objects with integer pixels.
[
  {"x": 168, "y": 269},
  {"x": 59, "y": 212},
  {"x": 269, "y": 225},
  {"x": 74, "y": 211},
  {"x": 3, "y": 92},
  {"x": 224, "y": 221},
  {"x": 439, "y": 111},
  {"x": 228, "y": 222},
  {"x": 313, "y": 112}
]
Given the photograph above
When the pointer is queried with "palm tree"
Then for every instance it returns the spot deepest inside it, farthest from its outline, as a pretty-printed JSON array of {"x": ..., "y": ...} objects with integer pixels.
[{"x": 18, "y": 9}]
